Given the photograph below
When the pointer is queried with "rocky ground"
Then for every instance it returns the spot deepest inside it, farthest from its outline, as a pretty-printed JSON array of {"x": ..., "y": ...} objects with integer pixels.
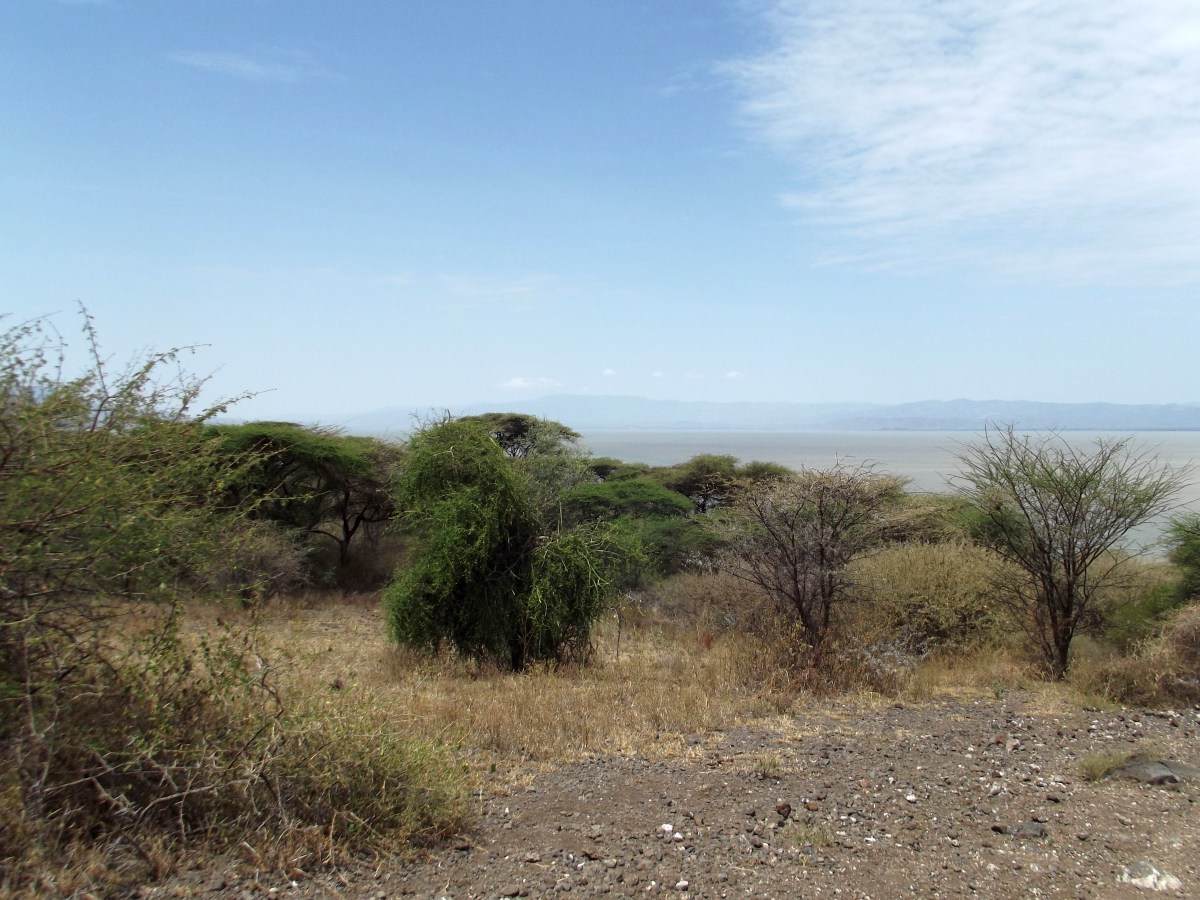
[{"x": 951, "y": 798}]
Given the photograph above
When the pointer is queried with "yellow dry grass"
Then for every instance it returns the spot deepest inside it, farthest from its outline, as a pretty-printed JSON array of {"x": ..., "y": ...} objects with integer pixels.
[
  {"x": 645, "y": 693},
  {"x": 645, "y": 698}
]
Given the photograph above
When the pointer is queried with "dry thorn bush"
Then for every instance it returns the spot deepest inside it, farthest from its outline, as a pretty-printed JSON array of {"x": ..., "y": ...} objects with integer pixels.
[{"x": 1162, "y": 670}]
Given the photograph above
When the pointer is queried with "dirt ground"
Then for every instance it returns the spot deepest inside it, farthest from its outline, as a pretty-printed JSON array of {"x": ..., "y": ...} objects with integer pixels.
[{"x": 949, "y": 798}]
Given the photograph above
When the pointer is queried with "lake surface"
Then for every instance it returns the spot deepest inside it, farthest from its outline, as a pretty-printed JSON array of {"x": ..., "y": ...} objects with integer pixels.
[{"x": 927, "y": 458}]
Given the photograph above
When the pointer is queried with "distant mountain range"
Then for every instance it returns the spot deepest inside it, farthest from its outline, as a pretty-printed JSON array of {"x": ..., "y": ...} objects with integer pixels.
[{"x": 615, "y": 413}]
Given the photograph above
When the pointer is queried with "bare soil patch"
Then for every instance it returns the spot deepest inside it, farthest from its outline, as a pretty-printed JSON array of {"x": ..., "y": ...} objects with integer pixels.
[{"x": 953, "y": 797}]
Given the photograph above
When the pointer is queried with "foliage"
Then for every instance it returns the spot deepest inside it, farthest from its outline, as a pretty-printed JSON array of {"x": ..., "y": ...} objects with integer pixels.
[
  {"x": 607, "y": 500},
  {"x": 107, "y": 489},
  {"x": 1183, "y": 542},
  {"x": 606, "y": 468},
  {"x": 795, "y": 538},
  {"x": 1161, "y": 671},
  {"x": 487, "y": 576},
  {"x": 930, "y": 519},
  {"x": 551, "y": 468},
  {"x": 1134, "y": 607},
  {"x": 520, "y": 435},
  {"x": 706, "y": 479},
  {"x": 312, "y": 480},
  {"x": 710, "y": 479},
  {"x": 117, "y": 730},
  {"x": 672, "y": 543},
  {"x": 1056, "y": 512},
  {"x": 655, "y": 519}
]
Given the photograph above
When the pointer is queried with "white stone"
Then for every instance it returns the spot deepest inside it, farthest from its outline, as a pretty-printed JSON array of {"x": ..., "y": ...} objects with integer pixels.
[{"x": 1145, "y": 876}]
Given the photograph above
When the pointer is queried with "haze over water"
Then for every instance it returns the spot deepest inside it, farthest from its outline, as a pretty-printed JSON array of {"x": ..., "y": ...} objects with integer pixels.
[{"x": 925, "y": 457}]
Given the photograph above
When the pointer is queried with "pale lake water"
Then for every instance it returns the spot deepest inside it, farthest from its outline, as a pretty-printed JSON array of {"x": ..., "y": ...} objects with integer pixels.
[{"x": 927, "y": 458}]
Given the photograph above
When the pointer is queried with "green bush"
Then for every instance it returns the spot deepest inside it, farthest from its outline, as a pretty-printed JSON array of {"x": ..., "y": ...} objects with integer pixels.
[
  {"x": 1135, "y": 607},
  {"x": 1183, "y": 542},
  {"x": 486, "y": 575},
  {"x": 606, "y": 500}
]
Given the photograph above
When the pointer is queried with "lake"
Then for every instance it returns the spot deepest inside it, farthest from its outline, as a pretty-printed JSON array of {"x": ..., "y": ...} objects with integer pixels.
[{"x": 927, "y": 458}]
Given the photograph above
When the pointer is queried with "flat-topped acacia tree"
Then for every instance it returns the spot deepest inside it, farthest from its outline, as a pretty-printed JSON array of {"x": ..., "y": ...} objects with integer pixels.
[{"x": 312, "y": 480}]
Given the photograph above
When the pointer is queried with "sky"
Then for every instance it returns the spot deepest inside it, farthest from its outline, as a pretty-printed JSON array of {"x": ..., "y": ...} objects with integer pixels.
[{"x": 349, "y": 206}]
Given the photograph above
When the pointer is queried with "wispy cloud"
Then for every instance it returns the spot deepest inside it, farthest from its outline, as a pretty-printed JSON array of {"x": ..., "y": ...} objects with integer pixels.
[
  {"x": 278, "y": 66},
  {"x": 525, "y": 287},
  {"x": 1048, "y": 138},
  {"x": 523, "y": 383}
]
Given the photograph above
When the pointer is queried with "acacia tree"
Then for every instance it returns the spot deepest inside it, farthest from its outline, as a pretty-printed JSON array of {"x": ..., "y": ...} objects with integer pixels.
[
  {"x": 1058, "y": 512},
  {"x": 312, "y": 479},
  {"x": 794, "y": 537},
  {"x": 520, "y": 434},
  {"x": 709, "y": 479}
]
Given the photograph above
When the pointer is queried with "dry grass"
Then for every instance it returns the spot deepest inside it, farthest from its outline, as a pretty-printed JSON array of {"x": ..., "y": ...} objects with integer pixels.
[
  {"x": 664, "y": 683},
  {"x": 363, "y": 706},
  {"x": 1099, "y": 764},
  {"x": 1163, "y": 670},
  {"x": 201, "y": 744},
  {"x": 660, "y": 687}
]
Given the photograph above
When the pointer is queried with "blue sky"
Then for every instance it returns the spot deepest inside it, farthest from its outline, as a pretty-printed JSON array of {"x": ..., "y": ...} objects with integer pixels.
[{"x": 359, "y": 205}]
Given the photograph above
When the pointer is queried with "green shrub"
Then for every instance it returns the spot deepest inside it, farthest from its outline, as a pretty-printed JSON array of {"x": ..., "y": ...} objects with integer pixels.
[
  {"x": 1135, "y": 607},
  {"x": 606, "y": 500},
  {"x": 486, "y": 576},
  {"x": 1183, "y": 542}
]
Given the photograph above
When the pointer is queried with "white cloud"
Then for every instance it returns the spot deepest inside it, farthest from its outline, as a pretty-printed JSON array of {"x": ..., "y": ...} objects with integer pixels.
[
  {"x": 524, "y": 287},
  {"x": 1054, "y": 137},
  {"x": 608, "y": 373},
  {"x": 733, "y": 376},
  {"x": 658, "y": 374},
  {"x": 522, "y": 383},
  {"x": 285, "y": 67}
]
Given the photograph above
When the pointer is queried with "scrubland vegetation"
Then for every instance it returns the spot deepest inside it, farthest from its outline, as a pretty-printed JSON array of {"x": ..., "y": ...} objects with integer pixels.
[{"x": 301, "y": 647}]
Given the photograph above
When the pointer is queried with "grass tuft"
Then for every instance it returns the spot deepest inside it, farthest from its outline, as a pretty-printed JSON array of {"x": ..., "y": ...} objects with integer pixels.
[{"x": 1099, "y": 764}]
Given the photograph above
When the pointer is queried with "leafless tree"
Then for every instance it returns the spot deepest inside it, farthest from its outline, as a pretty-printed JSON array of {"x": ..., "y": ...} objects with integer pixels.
[{"x": 795, "y": 537}]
